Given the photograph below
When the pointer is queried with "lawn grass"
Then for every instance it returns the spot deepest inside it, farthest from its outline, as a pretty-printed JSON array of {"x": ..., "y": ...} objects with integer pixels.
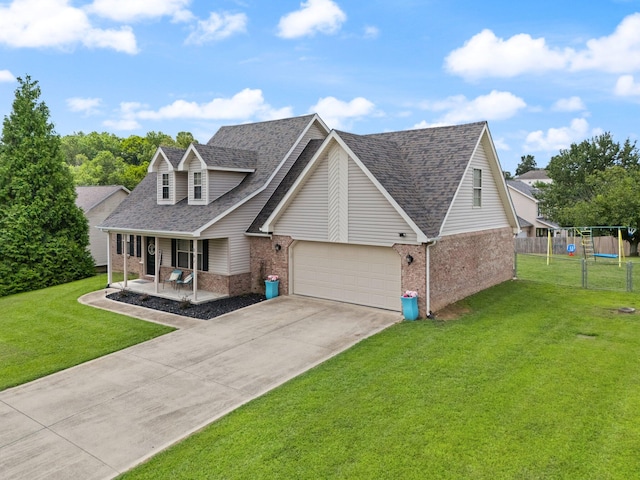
[
  {"x": 530, "y": 383},
  {"x": 47, "y": 330},
  {"x": 602, "y": 274}
]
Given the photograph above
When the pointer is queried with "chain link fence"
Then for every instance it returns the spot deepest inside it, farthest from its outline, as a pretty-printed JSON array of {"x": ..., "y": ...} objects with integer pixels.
[{"x": 578, "y": 272}]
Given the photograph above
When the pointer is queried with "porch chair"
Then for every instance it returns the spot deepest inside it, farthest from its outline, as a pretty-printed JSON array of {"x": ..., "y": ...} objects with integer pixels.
[
  {"x": 188, "y": 280},
  {"x": 174, "y": 278}
]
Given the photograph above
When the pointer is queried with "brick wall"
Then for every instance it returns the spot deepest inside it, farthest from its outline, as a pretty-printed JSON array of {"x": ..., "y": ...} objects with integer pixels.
[
  {"x": 266, "y": 260},
  {"x": 464, "y": 264},
  {"x": 413, "y": 276},
  {"x": 117, "y": 261}
]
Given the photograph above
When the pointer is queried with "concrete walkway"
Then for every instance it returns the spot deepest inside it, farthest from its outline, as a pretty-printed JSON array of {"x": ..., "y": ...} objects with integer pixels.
[{"x": 105, "y": 416}]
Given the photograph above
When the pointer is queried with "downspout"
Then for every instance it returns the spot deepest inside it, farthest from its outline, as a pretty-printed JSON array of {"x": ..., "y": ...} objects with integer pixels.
[
  {"x": 428, "y": 275},
  {"x": 195, "y": 269}
]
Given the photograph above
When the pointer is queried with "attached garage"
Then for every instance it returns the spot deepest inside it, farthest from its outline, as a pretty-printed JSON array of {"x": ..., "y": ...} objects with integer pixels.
[{"x": 359, "y": 274}]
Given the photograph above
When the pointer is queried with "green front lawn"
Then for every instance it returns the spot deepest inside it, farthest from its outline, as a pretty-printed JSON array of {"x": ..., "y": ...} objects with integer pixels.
[
  {"x": 531, "y": 383},
  {"x": 47, "y": 330}
]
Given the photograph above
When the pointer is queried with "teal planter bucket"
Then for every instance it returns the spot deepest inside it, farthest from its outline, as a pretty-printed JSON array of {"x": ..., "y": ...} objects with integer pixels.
[
  {"x": 271, "y": 288},
  {"x": 410, "y": 307}
]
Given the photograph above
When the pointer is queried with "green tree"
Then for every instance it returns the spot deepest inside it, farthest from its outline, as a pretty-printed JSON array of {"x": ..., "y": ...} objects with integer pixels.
[
  {"x": 595, "y": 182},
  {"x": 527, "y": 163},
  {"x": 184, "y": 139},
  {"x": 44, "y": 235},
  {"x": 104, "y": 169}
]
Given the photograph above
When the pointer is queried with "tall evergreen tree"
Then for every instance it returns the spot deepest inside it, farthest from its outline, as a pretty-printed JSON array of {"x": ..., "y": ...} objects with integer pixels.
[{"x": 43, "y": 234}]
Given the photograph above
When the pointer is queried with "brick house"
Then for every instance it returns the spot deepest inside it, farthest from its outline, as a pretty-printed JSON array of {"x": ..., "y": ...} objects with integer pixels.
[{"x": 354, "y": 218}]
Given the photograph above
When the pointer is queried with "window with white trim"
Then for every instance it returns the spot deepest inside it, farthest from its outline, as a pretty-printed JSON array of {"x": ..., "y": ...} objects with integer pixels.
[
  {"x": 184, "y": 250},
  {"x": 477, "y": 187},
  {"x": 197, "y": 185},
  {"x": 165, "y": 186}
]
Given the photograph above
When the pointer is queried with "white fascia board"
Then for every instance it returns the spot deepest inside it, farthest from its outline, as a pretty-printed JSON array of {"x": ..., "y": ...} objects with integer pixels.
[
  {"x": 149, "y": 233},
  {"x": 158, "y": 156},
  {"x": 496, "y": 170},
  {"x": 185, "y": 156},
  {"x": 271, "y": 177},
  {"x": 334, "y": 136},
  {"x": 529, "y": 197},
  {"x": 231, "y": 169}
]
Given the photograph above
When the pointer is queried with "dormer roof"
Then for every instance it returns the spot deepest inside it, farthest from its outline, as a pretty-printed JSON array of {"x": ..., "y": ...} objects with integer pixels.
[{"x": 222, "y": 158}]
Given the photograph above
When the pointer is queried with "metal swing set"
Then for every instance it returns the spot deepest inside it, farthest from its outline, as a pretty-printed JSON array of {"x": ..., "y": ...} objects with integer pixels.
[{"x": 586, "y": 235}]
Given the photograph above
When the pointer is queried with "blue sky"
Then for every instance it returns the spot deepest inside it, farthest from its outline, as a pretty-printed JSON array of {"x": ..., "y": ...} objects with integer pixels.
[{"x": 544, "y": 74}]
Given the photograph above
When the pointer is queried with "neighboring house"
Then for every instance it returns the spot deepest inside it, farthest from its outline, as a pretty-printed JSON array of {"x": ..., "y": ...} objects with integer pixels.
[
  {"x": 98, "y": 203},
  {"x": 527, "y": 206},
  {"x": 354, "y": 218},
  {"x": 534, "y": 176}
]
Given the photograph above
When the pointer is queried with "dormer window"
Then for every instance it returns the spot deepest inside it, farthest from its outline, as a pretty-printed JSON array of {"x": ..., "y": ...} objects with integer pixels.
[
  {"x": 197, "y": 185},
  {"x": 165, "y": 186}
]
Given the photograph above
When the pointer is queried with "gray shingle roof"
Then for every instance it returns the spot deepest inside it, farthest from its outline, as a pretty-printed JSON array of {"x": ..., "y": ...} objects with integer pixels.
[
  {"x": 174, "y": 155},
  {"x": 287, "y": 182},
  {"x": 539, "y": 174},
  {"x": 522, "y": 187},
  {"x": 222, "y": 157},
  {"x": 420, "y": 169},
  {"x": 89, "y": 197},
  {"x": 270, "y": 140}
]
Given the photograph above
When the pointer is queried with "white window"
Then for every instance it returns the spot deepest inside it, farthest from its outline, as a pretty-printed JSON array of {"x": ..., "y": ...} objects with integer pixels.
[
  {"x": 197, "y": 185},
  {"x": 184, "y": 250},
  {"x": 477, "y": 187},
  {"x": 165, "y": 186}
]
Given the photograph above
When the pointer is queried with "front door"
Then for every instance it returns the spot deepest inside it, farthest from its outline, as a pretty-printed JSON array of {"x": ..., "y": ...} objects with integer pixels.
[{"x": 151, "y": 255}]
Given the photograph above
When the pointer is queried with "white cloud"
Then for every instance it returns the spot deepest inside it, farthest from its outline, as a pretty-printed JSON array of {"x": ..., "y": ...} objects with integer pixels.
[
  {"x": 217, "y": 27},
  {"x": 6, "y": 76},
  {"x": 501, "y": 144},
  {"x": 571, "y": 104},
  {"x": 425, "y": 124},
  {"x": 134, "y": 10},
  {"x": 334, "y": 111},
  {"x": 324, "y": 16},
  {"x": 616, "y": 53},
  {"x": 245, "y": 105},
  {"x": 87, "y": 105},
  {"x": 371, "y": 32},
  {"x": 557, "y": 138},
  {"x": 494, "y": 106},
  {"x": 486, "y": 55},
  {"x": 626, "y": 86},
  {"x": 54, "y": 23}
]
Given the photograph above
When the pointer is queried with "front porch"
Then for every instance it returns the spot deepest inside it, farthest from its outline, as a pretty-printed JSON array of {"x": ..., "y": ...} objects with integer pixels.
[{"x": 167, "y": 291}]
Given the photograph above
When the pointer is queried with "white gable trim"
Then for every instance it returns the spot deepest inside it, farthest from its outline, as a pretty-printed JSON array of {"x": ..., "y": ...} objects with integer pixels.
[
  {"x": 268, "y": 226},
  {"x": 496, "y": 171},
  {"x": 183, "y": 161},
  {"x": 315, "y": 118},
  {"x": 159, "y": 156}
]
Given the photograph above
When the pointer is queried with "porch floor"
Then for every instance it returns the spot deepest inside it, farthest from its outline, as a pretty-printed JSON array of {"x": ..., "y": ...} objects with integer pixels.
[{"x": 167, "y": 291}]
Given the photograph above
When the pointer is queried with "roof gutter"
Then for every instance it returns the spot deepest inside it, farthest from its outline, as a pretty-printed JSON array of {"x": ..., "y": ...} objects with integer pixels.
[{"x": 150, "y": 233}]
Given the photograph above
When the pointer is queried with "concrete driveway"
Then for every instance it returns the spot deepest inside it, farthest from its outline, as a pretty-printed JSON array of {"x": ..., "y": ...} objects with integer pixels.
[{"x": 101, "y": 418}]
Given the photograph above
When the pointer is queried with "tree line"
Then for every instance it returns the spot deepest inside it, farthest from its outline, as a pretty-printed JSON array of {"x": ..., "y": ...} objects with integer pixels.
[{"x": 106, "y": 159}]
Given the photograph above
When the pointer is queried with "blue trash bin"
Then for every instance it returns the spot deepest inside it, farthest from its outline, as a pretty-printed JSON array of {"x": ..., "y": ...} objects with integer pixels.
[
  {"x": 271, "y": 288},
  {"x": 410, "y": 307}
]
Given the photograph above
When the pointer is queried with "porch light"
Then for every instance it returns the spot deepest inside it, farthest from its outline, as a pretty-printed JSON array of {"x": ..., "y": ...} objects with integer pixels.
[
  {"x": 278, "y": 247},
  {"x": 409, "y": 259}
]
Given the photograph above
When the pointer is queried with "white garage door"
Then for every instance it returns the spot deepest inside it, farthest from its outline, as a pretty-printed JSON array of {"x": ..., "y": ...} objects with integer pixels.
[{"x": 348, "y": 273}]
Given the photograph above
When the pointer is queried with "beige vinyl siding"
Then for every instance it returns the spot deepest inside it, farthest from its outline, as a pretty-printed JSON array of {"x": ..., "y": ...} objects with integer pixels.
[
  {"x": 194, "y": 167},
  {"x": 222, "y": 182},
  {"x": 234, "y": 225},
  {"x": 372, "y": 219},
  {"x": 180, "y": 186},
  {"x": 463, "y": 216},
  {"x": 95, "y": 216},
  {"x": 306, "y": 217},
  {"x": 338, "y": 204},
  {"x": 219, "y": 256},
  {"x": 164, "y": 244}
]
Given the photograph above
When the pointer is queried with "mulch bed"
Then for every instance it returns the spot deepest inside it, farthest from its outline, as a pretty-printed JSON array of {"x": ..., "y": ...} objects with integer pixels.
[{"x": 203, "y": 311}]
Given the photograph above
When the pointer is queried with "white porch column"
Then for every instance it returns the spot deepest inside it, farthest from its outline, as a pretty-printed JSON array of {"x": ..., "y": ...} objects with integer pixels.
[
  {"x": 125, "y": 253},
  {"x": 109, "y": 269},
  {"x": 157, "y": 263},
  {"x": 195, "y": 270}
]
